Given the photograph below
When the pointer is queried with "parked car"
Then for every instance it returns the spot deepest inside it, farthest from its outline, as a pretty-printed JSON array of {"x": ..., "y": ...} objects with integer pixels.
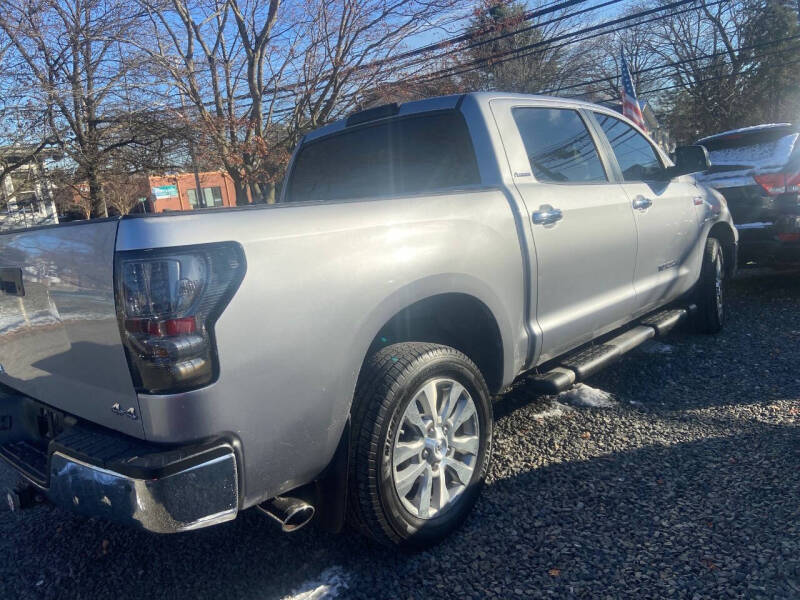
[
  {"x": 335, "y": 354},
  {"x": 757, "y": 170}
]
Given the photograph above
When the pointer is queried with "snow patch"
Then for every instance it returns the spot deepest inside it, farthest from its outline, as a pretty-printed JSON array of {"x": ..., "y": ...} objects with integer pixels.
[
  {"x": 751, "y": 129},
  {"x": 331, "y": 582},
  {"x": 555, "y": 410},
  {"x": 584, "y": 395},
  {"x": 751, "y": 158}
]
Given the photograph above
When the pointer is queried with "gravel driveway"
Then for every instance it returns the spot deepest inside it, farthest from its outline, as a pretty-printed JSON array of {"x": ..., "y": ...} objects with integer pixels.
[{"x": 686, "y": 486}]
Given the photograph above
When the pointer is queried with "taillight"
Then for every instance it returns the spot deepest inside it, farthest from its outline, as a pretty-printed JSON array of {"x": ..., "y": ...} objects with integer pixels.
[
  {"x": 789, "y": 237},
  {"x": 168, "y": 301},
  {"x": 776, "y": 184},
  {"x": 773, "y": 183},
  {"x": 793, "y": 183}
]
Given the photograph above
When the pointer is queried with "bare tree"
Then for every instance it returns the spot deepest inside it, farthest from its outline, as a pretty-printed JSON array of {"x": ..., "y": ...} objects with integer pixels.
[
  {"x": 708, "y": 70},
  {"x": 123, "y": 190},
  {"x": 220, "y": 55},
  {"x": 77, "y": 69},
  {"x": 23, "y": 125},
  {"x": 603, "y": 54},
  {"x": 256, "y": 75},
  {"x": 71, "y": 196},
  {"x": 348, "y": 58},
  {"x": 509, "y": 51}
]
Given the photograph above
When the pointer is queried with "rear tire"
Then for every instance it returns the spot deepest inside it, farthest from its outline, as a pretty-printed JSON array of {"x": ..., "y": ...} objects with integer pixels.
[
  {"x": 710, "y": 291},
  {"x": 415, "y": 473}
]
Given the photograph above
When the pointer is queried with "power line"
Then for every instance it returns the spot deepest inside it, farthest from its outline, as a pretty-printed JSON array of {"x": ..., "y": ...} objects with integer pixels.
[
  {"x": 714, "y": 78},
  {"x": 482, "y": 42},
  {"x": 516, "y": 53},
  {"x": 470, "y": 35},
  {"x": 290, "y": 88},
  {"x": 535, "y": 46},
  {"x": 595, "y": 30},
  {"x": 696, "y": 81},
  {"x": 460, "y": 38},
  {"x": 678, "y": 63},
  {"x": 649, "y": 69}
]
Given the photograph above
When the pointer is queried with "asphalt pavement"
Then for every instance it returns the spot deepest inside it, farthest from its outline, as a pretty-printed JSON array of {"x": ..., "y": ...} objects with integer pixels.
[{"x": 685, "y": 483}]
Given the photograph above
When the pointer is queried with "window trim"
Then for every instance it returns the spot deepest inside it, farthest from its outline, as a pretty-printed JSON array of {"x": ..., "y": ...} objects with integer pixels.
[
  {"x": 196, "y": 205},
  {"x": 287, "y": 191},
  {"x": 200, "y": 203},
  {"x": 598, "y": 145},
  {"x": 665, "y": 164}
]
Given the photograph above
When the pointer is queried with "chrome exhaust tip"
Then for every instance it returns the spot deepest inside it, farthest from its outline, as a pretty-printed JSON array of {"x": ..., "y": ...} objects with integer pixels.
[{"x": 290, "y": 513}]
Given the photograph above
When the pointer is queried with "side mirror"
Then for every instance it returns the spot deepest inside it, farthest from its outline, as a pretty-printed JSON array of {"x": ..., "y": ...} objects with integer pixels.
[{"x": 691, "y": 159}]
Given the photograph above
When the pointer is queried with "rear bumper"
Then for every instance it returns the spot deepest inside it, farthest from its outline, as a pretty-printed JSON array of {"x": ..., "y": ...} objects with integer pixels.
[
  {"x": 105, "y": 474},
  {"x": 762, "y": 243},
  {"x": 194, "y": 496}
]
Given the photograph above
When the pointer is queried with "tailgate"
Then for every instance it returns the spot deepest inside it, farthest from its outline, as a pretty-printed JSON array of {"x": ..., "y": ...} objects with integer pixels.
[{"x": 59, "y": 337}]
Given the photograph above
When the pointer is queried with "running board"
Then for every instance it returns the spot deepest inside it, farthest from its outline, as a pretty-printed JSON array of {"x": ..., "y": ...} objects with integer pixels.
[
  {"x": 666, "y": 320},
  {"x": 589, "y": 360}
]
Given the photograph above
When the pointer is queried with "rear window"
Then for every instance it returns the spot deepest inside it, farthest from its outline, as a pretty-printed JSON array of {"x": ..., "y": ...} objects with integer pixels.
[
  {"x": 745, "y": 137},
  {"x": 760, "y": 148},
  {"x": 423, "y": 153}
]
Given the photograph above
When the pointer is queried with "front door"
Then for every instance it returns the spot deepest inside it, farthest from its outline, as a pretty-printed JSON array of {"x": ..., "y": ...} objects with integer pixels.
[
  {"x": 582, "y": 224},
  {"x": 666, "y": 218}
]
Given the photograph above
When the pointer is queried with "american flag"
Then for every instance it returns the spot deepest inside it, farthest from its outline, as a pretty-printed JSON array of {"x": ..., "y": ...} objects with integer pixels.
[{"x": 630, "y": 105}]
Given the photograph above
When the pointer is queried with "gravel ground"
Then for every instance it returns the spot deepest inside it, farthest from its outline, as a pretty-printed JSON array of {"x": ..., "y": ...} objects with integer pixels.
[{"x": 686, "y": 486}]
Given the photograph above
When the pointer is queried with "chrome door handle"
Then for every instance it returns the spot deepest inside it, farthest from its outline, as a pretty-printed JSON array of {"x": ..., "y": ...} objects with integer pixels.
[
  {"x": 547, "y": 215},
  {"x": 642, "y": 203}
]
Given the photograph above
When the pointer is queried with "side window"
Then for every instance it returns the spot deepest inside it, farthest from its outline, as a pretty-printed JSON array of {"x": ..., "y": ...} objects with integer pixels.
[
  {"x": 212, "y": 196},
  {"x": 559, "y": 145},
  {"x": 636, "y": 156}
]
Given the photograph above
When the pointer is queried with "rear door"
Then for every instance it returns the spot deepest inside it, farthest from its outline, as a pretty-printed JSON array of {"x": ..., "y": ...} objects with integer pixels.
[
  {"x": 59, "y": 337},
  {"x": 666, "y": 219},
  {"x": 582, "y": 223}
]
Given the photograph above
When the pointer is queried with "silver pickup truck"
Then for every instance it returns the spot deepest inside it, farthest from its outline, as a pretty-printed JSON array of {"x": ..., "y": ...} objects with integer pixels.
[{"x": 333, "y": 356}]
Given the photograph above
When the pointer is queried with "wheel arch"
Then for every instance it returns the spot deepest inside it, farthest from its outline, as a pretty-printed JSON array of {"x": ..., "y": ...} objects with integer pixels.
[
  {"x": 457, "y": 320},
  {"x": 459, "y": 314},
  {"x": 723, "y": 232}
]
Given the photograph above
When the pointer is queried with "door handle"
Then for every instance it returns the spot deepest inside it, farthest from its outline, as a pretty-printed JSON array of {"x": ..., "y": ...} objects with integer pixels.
[
  {"x": 642, "y": 203},
  {"x": 547, "y": 215}
]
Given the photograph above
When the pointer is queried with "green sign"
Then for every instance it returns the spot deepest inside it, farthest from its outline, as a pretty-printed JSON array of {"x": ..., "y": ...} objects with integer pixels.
[{"x": 165, "y": 191}]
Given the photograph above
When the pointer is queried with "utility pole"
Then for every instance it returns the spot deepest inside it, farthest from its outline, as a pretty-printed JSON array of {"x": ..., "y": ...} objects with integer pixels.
[{"x": 199, "y": 191}]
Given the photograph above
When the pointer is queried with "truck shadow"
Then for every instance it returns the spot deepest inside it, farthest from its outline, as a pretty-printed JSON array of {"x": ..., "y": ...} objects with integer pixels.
[{"x": 679, "y": 507}]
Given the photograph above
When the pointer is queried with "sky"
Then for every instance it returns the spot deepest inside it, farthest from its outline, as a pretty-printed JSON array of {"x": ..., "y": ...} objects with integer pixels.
[{"x": 458, "y": 19}]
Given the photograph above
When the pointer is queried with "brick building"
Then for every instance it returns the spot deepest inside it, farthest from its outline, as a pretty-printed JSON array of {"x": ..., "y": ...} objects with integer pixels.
[{"x": 179, "y": 191}]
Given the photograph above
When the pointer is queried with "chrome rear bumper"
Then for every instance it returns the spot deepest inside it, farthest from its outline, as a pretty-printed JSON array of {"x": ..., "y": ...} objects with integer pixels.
[
  {"x": 103, "y": 473},
  {"x": 194, "y": 496}
]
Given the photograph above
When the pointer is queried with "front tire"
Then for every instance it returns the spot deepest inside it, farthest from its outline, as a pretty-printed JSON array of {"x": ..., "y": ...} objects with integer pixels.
[
  {"x": 422, "y": 437},
  {"x": 710, "y": 290}
]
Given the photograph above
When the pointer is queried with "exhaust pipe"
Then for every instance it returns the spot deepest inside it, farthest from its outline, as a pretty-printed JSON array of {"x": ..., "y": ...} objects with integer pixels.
[{"x": 290, "y": 513}]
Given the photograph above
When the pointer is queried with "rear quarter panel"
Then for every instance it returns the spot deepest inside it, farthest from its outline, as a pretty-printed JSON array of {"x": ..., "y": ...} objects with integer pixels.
[{"x": 321, "y": 281}]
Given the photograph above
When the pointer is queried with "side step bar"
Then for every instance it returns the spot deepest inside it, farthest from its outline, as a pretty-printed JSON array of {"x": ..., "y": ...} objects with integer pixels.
[{"x": 589, "y": 360}]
